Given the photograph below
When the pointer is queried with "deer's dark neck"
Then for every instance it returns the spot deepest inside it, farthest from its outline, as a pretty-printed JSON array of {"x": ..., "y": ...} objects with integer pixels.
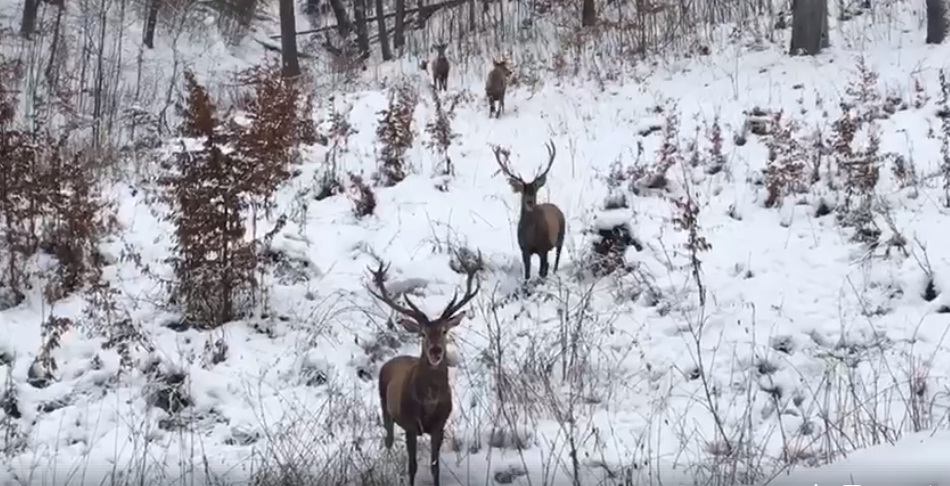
[{"x": 429, "y": 381}]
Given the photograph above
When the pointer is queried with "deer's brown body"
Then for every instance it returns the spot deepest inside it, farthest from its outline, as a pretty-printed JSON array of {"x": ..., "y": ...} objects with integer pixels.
[
  {"x": 541, "y": 227},
  {"x": 414, "y": 392},
  {"x": 495, "y": 87},
  {"x": 440, "y": 69}
]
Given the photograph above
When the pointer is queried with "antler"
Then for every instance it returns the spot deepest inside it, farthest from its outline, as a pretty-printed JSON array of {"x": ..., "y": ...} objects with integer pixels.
[
  {"x": 504, "y": 165},
  {"x": 471, "y": 269},
  {"x": 552, "y": 151},
  {"x": 379, "y": 277}
]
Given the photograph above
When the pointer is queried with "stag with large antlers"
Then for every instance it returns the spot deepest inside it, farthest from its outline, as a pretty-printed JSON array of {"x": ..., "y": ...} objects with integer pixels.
[
  {"x": 541, "y": 226},
  {"x": 414, "y": 392}
]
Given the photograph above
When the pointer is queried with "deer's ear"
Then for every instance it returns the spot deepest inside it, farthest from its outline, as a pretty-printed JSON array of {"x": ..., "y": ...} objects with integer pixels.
[
  {"x": 450, "y": 323},
  {"x": 516, "y": 185},
  {"x": 409, "y": 324},
  {"x": 541, "y": 181}
]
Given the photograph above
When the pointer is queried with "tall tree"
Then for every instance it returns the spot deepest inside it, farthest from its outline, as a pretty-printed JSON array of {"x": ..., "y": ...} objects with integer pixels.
[
  {"x": 588, "y": 14},
  {"x": 936, "y": 21},
  {"x": 362, "y": 32},
  {"x": 31, "y": 9},
  {"x": 151, "y": 20},
  {"x": 343, "y": 24},
  {"x": 383, "y": 35},
  {"x": 290, "y": 64},
  {"x": 809, "y": 27},
  {"x": 399, "y": 30}
]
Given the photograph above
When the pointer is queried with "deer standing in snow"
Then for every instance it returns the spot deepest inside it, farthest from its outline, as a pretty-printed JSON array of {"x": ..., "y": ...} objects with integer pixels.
[
  {"x": 440, "y": 68},
  {"x": 414, "y": 391},
  {"x": 495, "y": 86},
  {"x": 541, "y": 227}
]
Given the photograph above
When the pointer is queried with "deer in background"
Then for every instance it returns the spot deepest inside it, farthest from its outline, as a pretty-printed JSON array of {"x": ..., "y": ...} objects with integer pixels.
[
  {"x": 414, "y": 391},
  {"x": 440, "y": 68},
  {"x": 541, "y": 226},
  {"x": 496, "y": 85}
]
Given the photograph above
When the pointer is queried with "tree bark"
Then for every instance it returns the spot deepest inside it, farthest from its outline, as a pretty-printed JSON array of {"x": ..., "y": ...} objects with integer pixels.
[
  {"x": 362, "y": 32},
  {"x": 809, "y": 23},
  {"x": 383, "y": 35},
  {"x": 31, "y": 9},
  {"x": 290, "y": 62},
  {"x": 471, "y": 16},
  {"x": 936, "y": 21},
  {"x": 151, "y": 20},
  {"x": 588, "y": 14},
  {"x": 343, "y": 24},
  {"x": 399, "y": 30}
]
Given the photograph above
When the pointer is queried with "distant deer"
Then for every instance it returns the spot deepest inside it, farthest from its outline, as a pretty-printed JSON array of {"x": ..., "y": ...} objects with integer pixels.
[
  {"x": 495, "y": 87},
  {"x": 440, "y": 68},
  {"x": 414, "y": 391},
  {"x": 541, "y": 226}
]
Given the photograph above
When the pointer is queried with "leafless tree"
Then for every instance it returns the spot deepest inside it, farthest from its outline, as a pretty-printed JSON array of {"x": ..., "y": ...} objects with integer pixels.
[
  {"x": 936, "y": 21},
  {"x": 288, "y": 39},
  {"x": 809, "y": 27}
]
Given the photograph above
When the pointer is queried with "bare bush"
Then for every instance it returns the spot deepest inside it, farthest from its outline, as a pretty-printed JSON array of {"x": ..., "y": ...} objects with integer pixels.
[{"x": 395, "y": 134}]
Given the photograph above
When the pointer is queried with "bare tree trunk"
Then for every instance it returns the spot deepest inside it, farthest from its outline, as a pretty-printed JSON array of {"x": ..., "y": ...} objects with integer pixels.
[
  {"x": 588, "y": 14},
  {"x": 399, "y": 32},
  {"x": 288, "y": 39},
  {"x": 471, "y": 15},
  {"x": 148, "y": 37},
  {"x": 343, "y": 24},
  {"x": 809, "y": 20},
  {"x": 362, "y": 32},
  {"x": 52, "y": 70},
  {"x": 383, "y": 35},
  {"x": 31, "y": 9},
  {"x": 936, "y": 21}
]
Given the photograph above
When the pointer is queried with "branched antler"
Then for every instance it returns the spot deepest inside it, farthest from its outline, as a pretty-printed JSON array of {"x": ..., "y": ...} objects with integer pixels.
[
  {"x": 502, "y": 156},
  {"x": 379, "y": 278},
  {"x": 471, "y": 266},
  {"x": 504, "y": 163}
]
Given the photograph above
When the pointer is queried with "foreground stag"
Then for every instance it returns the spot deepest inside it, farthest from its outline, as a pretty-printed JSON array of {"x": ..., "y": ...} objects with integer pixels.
[
  {"x": 440, "y": 68},
  {"x": 495, "y": 86},
  {"x": 414, "y": 391},
  {"x": 541, "y": 226}
]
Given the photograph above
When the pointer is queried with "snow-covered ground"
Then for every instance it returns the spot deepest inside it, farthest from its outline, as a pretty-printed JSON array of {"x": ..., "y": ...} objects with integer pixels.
[{"x": 809, "y": 345}]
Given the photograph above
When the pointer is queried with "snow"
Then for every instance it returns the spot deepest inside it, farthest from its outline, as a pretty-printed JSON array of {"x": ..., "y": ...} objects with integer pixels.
[{"x": 811, "y": 346}]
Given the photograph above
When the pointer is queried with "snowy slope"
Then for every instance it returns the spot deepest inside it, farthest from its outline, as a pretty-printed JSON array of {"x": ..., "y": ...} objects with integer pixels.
[{"x": 812, "y": 345}]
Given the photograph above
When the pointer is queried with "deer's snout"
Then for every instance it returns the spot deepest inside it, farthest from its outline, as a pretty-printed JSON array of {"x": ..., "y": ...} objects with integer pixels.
[{"x": 435, "y": 354}]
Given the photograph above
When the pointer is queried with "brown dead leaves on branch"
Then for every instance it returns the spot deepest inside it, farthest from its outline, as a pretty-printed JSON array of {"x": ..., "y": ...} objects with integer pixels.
[
  {"x": 231, "y": 167},
  {"x": 50, "y": 201}
]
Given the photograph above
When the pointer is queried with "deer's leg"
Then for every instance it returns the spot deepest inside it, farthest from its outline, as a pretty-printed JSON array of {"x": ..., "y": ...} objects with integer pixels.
[
  {"x": 543, "y": 268},
  {"x": 387, "y": 418},
  {"x": 411, "y": 438},
  {"x": 557, "y": 258},
  {"x": 526, "y": 261},
  {"x": 436, "y": 446}
]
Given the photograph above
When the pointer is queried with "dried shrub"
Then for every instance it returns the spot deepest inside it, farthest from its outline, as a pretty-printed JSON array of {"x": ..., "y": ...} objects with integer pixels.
[
  {"x": 224, "y": 171},
  {"x": 339, "y": 129},
  {"x": 44, "y": 365},
  {"x": 655, "y": 175},
  {"x": 395, "y": 134},
  {"x": 785, "y": 172},
  {"x": 50, "y": 200},
  {"x": 440, "y": 130},
  {"x": 278, "y": 122}
]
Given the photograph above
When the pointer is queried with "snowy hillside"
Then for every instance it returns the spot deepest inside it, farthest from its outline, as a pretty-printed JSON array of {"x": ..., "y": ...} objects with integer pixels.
[{"x": 812, "y": 325}]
